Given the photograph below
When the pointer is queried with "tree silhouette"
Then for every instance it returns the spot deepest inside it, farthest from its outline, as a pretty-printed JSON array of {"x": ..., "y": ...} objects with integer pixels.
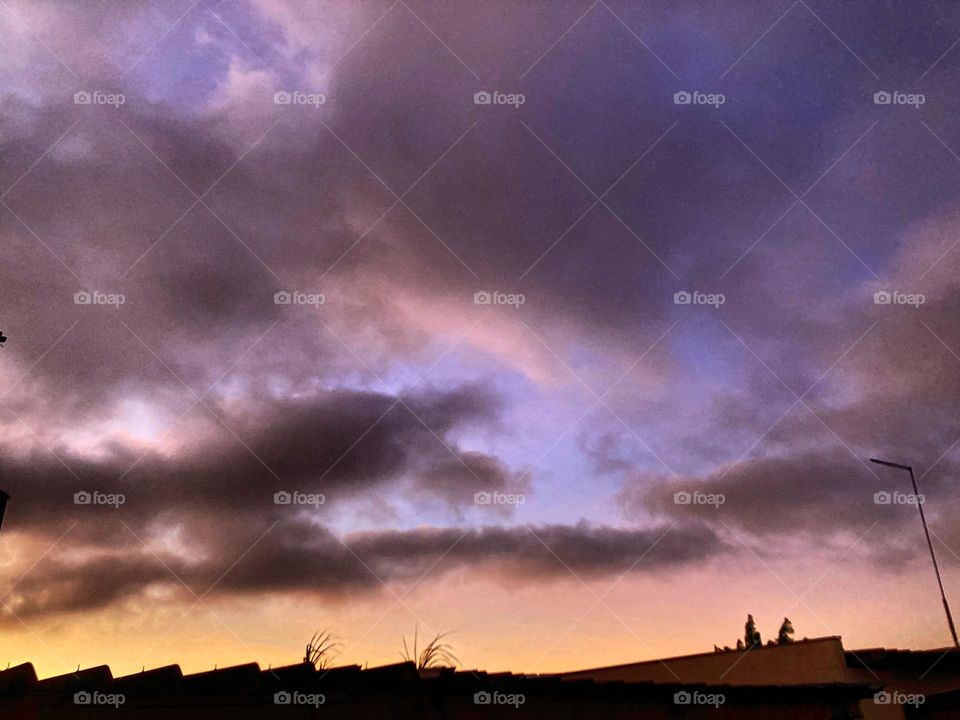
[
  {"x": 751, "y": 636},
  {"x": 436, "y": 653},
  {"x": 786, "y": 630},
  {"x": 321, "y": 649}
]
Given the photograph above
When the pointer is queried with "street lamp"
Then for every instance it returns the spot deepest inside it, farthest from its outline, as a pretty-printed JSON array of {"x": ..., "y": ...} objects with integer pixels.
[
  {"x": 3, "y": 504},
  {"x": 923, "y": 519}
]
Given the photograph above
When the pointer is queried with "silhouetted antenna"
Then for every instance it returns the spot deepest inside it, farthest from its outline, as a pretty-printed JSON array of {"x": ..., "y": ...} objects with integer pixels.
[{"x": 923, "y": 519}]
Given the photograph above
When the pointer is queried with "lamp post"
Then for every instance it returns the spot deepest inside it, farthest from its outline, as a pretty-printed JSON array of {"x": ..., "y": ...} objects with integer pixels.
[
  {"x": 923, "y": 519},
  {"x": 4, "y": 497}
]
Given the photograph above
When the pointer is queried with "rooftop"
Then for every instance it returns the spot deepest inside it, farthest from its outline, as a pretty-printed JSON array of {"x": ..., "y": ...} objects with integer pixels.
[{"x": 250, "y": 680}]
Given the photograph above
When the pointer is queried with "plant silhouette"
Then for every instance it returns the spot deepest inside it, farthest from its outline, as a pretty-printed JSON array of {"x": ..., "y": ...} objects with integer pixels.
[
  {"x": 751, "y": 636},
  {"x": 786, "y": 630},
  {"x": 436, "y": 653},
  {"x": 322, "y": 649}
]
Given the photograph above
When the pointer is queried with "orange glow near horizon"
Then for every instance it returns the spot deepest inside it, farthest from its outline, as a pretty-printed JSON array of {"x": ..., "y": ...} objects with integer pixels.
[{"x": 556, "y": 627}]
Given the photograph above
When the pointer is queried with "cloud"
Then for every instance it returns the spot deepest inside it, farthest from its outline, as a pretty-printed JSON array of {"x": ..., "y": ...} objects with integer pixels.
[
  {"x": 815, "y": 503},
  {"x": 340, "y": 443},
  {"x": 301, "y": 557},
  {"x": 303, "y": 198}
]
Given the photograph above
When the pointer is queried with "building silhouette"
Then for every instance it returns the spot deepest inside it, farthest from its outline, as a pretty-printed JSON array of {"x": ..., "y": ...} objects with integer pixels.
[{"x": 809, "y": 679}]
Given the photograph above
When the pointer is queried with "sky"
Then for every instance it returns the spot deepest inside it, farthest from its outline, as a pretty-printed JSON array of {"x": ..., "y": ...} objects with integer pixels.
[{"x": 566, "y": 328}]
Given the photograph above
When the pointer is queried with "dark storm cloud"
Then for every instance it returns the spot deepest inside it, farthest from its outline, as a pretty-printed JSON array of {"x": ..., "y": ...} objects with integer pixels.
[
  {"x": 823, "y": 497},
  {"x": 339, "y": 443},
  {"x": 499, "y": 200},
  {"x": 880, "y": 381},
  {"x": 456, "y": 479},
  {"x": 298, "y": 212},
  {"x": 535, "y": 552},
  {"x": 301, "y": 557},
  {"x": 815, "y": 493}
]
